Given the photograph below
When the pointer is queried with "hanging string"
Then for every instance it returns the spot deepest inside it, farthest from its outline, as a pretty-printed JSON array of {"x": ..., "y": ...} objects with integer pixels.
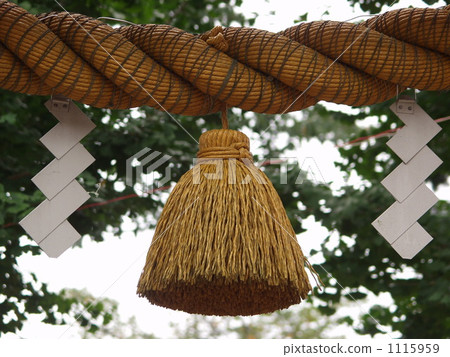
[
  {"x": 224, "y": 118},
  {"x": 116, "y": 19},
  {"x": 99, "y": 185}
]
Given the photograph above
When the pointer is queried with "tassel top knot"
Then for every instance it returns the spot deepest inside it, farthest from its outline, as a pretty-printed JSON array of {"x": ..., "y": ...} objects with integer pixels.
[{"x": 224, "y": 144}]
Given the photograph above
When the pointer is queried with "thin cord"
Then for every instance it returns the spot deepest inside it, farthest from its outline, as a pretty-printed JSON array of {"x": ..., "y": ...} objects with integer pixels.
[
  {"x": 115, "y": 19},
  {"x": 131, "y": 76},
  {"x": 47, "y": 17},
  {"x": 301, "y": 94},
  {"x": 326, "y": 271},
  {"x": 127, "y": 269},
  {"x": 325, "y": 70},
  {"x": 357, "y": 17},
  {"x": 99, "y": 186}
]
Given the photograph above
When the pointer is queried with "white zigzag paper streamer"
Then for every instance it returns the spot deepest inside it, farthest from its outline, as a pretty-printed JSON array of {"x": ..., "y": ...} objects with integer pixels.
[
  {"x": 398, "y": 224},
  {"x": 47, "y": 224}
]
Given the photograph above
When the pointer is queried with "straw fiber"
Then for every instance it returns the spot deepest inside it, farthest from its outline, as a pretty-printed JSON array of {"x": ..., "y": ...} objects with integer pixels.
[
  {"x": 223, "y": 244},
  {"x": 172, "y": 70}
]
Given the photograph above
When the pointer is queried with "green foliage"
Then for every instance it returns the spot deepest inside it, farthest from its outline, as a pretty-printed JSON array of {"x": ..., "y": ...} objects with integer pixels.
[
  {"x": 360, "y": 260},
  {"x": 193, "y": 16},
  {"x": 24, "y": 119},
  {"x": 363, "y": 259},
  {"x": 374, "y": 7}
]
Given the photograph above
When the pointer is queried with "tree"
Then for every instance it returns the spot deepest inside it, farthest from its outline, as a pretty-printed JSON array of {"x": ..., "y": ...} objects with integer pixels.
[
  {"x": 361, "y": 261},
  {"x": 374, "y": 7},
  {"x": 364, "y": 260},
  {"x": 24, "y": 119}
]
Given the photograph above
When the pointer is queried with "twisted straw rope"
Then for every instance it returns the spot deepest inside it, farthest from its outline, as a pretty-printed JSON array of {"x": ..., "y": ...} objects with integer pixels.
[{"x": 167, "y": 68}]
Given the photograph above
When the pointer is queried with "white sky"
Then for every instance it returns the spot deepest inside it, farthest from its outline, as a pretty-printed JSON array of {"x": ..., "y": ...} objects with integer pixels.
[{"x": 112, "y": 268}]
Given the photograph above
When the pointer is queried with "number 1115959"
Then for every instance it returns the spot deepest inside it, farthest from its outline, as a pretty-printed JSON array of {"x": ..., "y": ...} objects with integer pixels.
[{"x": 413, "y": 348}]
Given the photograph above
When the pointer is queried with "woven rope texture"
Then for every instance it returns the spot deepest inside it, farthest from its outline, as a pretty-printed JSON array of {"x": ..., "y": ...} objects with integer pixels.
[{"x": 169, "y": 69}]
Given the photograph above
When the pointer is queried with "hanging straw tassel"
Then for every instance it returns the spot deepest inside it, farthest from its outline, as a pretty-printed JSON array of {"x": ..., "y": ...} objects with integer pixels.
[{"x": 224, "y": 244}]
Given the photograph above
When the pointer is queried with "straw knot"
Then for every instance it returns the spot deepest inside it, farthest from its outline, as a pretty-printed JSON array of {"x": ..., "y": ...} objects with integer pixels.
[
  {"x": 215, "y": 38},
  {"x": 224, "y": 144},
  {"x": 235, "y": 151}
]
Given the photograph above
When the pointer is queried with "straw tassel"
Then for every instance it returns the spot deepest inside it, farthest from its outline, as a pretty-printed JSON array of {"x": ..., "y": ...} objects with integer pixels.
[{"x": 223, "y": 244}]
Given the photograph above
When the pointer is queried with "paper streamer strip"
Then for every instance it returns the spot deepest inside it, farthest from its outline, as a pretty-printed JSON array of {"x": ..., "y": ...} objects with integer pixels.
[
  {"x": 398, "y": 224},
  {"x": 47, "y": 224}
]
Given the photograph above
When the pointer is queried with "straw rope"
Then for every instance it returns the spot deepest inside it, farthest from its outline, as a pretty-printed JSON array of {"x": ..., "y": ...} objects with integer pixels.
[{"x": 168, "y": 68}]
